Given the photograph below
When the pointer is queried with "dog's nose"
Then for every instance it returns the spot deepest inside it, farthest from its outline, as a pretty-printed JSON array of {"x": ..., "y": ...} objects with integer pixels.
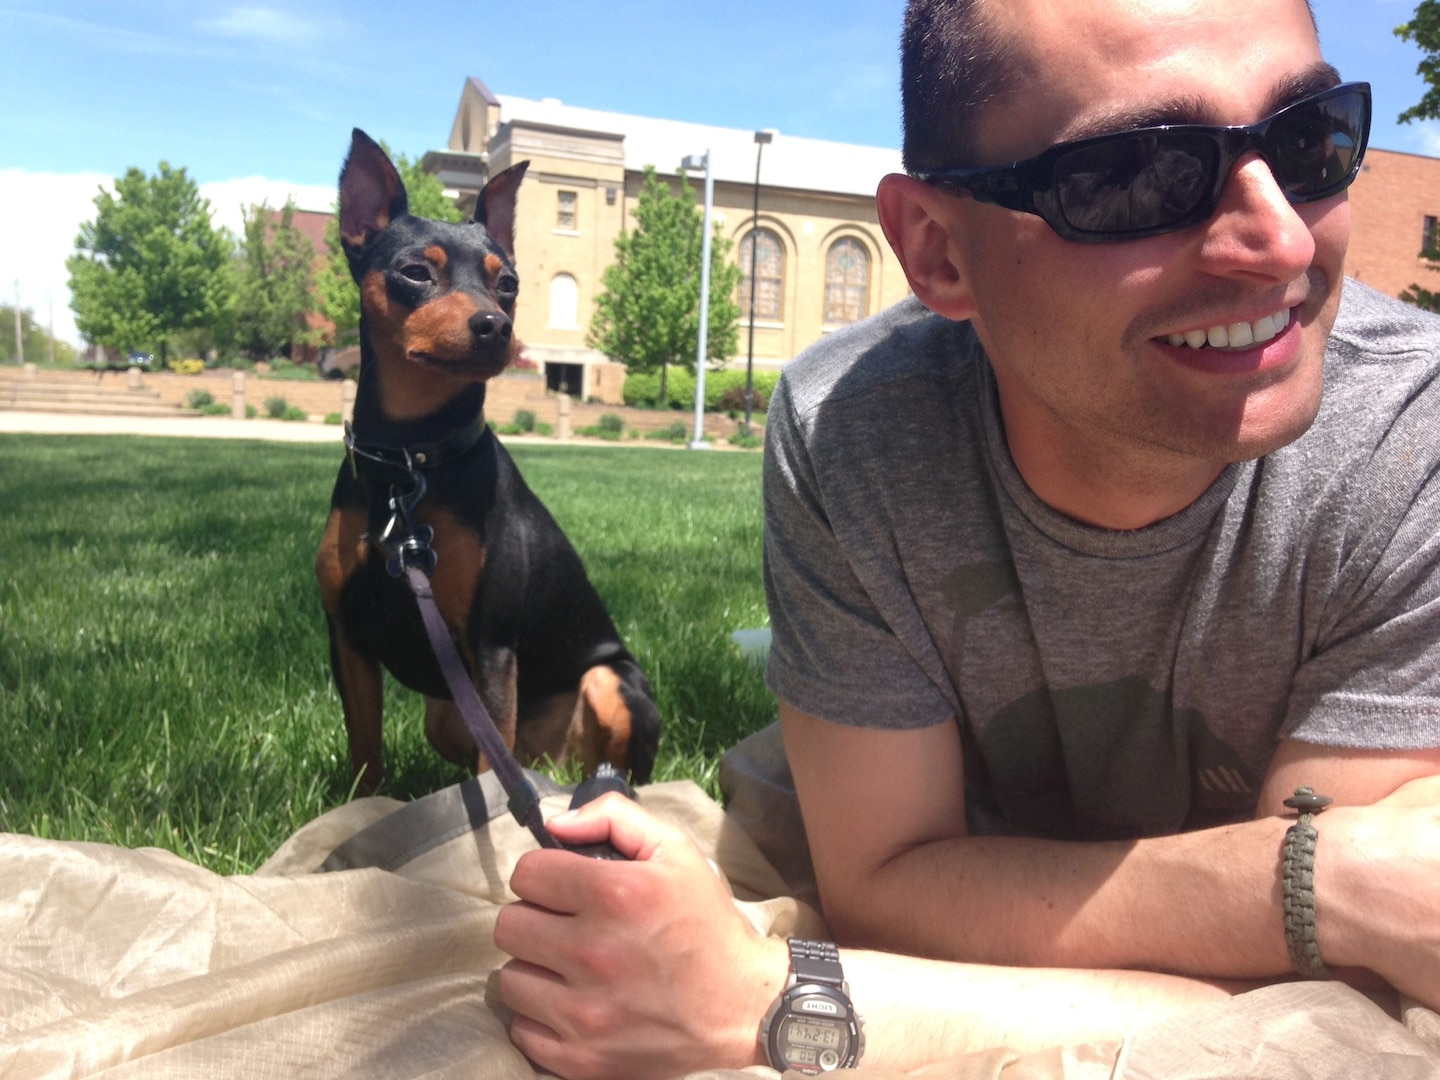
[{"x": 491, "y": 326}]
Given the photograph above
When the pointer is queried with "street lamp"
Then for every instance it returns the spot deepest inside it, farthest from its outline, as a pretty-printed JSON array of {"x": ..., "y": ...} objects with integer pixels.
[
  {"x": 702, "y": 162},
  {"x": 762, "y": 139}
]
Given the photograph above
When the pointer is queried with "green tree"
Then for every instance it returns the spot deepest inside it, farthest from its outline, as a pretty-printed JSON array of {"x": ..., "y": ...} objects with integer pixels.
[
  {"x": 647, "y": 315},
  {"x": 335, "y": 290},
  {"x": 1424, "y": 30},
  {"x": 273, "y": 278},
  {"x": 39, "y": 345},
  {"x": 150, "y": 267}
]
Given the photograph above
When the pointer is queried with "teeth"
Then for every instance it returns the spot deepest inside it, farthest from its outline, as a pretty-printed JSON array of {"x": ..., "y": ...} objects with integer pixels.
[{"x": 1238, "y": 335}]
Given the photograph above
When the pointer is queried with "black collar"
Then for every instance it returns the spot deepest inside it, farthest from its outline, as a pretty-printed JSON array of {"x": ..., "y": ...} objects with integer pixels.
[{"x": 420, "y": 456}]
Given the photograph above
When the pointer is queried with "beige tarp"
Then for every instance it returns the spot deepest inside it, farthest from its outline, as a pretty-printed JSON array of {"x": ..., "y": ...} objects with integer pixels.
[{"x": 363, "y": 949}]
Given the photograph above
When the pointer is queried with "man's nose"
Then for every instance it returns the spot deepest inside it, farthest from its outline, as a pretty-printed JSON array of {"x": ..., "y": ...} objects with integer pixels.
[{"x": 1255, "y": 231}]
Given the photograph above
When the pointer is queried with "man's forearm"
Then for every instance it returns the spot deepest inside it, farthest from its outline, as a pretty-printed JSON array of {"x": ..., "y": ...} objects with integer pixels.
[
  {"x": 1203, "y": 903},
  {"x": 918, "y": 1012}
]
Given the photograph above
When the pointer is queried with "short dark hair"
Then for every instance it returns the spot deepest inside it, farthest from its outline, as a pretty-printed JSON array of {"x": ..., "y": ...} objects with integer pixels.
[{"x": 953, "y": 62}]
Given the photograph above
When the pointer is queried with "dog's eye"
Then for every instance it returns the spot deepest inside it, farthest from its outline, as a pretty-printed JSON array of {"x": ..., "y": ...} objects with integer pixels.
[
  {"x": 417, "y": 272},
  {"x": 507, "y": 283}
]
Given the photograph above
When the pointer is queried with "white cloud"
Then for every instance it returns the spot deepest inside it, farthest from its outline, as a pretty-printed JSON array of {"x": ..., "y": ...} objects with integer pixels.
[
  {"x": 38, "y": 234},
  {"x": 264, "y": 24},
  {"x": 228, "y": 198},
  {"x": 47, "y": 210}
]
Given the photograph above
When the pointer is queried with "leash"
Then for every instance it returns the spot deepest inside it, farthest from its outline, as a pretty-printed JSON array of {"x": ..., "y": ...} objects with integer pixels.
[{"x": 411, "y": 555}]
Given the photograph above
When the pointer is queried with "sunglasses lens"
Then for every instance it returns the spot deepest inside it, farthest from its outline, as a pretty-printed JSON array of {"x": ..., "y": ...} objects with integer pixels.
[
  {"x": 1314, "y": 146},
  {"x": 1134, "y": 183}
]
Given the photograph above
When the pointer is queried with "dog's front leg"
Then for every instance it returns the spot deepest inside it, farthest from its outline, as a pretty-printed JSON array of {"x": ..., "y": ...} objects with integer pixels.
[
  {"x": 362, "y": 696},
  {"x": 445, "y": 726}
]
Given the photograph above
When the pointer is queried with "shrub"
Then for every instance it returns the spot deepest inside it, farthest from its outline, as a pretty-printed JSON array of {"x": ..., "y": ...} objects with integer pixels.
[
  {"x": 282, "y": 368},
  {"x": 746, "y": 442},
  {"x": 524, "y": 419},
  {"x": 542, "y": 428},
  {"x": 595, "y": 431},
  {"x": 294, "y": 412},
  {"x": 611, "y": 422},
  {"x": 275, "y": 407},
  {"x": 192, "y": 366},
  {"x": 732, "y": 400},
  {"x": 675, "y": 432},
  {"x": 215, "y": 408},
  {"x": 334, "y": 419},
  {"x": 198, "y": 399},
  {"x": 644, "y": 390}
]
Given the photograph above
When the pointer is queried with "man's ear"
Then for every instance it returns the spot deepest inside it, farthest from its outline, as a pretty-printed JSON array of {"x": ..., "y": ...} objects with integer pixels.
[{"x": 917, "y": 220}]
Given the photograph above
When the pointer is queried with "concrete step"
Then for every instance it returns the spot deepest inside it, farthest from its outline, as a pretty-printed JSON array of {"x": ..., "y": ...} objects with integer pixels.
[
  {"x": 61, "y": 392},
  {"x": 90, "y": 408}
]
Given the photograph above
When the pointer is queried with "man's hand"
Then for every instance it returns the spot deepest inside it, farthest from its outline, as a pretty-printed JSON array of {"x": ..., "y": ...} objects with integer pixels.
[
  {"x": 1377, "y": 888},
  {"x": 630, "y": 970}
]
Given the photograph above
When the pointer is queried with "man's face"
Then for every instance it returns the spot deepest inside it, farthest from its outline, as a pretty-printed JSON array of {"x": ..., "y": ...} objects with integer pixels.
[{"x": 1080, "y": 334}]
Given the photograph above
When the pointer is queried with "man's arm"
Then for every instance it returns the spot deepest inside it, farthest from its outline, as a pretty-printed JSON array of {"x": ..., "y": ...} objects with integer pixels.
[
  {"x": 647, "y": 969},
  {"x": 897, "y": 868}
]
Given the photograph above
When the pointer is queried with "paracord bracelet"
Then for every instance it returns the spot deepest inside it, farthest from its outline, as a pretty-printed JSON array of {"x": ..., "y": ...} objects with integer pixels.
[{"x": 1297, "y": 883}]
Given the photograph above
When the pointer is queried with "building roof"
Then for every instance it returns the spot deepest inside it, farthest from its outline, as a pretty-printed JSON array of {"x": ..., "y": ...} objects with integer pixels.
[{"x": 789, "y": 161}]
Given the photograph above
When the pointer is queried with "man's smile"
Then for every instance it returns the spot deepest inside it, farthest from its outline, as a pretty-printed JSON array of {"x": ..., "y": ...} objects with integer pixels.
[{"x": 1237, "y": 335}]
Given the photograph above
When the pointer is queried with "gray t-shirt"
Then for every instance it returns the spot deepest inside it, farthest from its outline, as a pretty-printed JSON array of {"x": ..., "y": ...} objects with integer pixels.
[{"x": 1108, "y": 684}]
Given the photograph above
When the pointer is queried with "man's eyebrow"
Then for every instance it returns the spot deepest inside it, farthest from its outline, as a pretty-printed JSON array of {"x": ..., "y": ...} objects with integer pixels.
[{"x": 1195, "y": 109}]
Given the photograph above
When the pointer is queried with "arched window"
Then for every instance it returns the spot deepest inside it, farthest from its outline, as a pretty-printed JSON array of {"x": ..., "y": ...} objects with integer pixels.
[
  {"x": 564, "y": 303},
  {"x": 769, "y": 258},
  {"x": 847, "y": 281}
]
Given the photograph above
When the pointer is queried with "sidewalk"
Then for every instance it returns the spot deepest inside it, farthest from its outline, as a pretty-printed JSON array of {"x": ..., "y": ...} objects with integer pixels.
[
  {"x": 203, "y": 427},
  {"x": 223, "y": 427}
]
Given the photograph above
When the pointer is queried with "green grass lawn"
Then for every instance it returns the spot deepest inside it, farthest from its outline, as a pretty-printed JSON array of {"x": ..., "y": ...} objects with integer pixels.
[{"x": 164, "y": 677}]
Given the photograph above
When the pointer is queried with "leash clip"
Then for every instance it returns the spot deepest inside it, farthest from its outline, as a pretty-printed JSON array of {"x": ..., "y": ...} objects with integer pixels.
[{"x": 409, "y": 544}]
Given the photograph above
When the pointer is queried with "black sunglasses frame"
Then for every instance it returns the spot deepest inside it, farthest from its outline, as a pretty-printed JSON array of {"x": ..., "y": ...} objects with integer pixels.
[{"x": 1030, "y": 186}]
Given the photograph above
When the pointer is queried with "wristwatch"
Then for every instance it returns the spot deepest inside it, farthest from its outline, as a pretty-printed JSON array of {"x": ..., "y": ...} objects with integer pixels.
[{"x": 812, "y": 1027}]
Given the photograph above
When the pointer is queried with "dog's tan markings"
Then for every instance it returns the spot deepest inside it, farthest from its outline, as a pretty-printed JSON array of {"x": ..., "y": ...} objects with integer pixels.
[
  {"x": 385, "y": 319},
  {"x": 441, "y": 328},
  {"x": 436, "y": 255},
  {"x": 342, "y": 549},
  {"x": 602, "y": 731},
  {"x": 362, "y": 698},
  {"x": 493, "y": 265}
]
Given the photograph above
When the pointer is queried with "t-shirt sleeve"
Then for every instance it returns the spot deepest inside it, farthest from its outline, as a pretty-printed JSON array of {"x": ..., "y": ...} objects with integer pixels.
[
  {"x": 1372, "y": 679},
  {"x": 834, "y": 652}
]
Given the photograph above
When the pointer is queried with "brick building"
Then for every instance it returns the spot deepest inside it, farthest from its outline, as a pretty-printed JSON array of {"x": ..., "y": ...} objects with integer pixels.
[{"x": 1395, "y": 212}]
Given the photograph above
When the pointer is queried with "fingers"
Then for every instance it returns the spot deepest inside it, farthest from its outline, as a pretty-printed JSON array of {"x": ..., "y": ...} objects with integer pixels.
[{"x": 636, "y": 832}]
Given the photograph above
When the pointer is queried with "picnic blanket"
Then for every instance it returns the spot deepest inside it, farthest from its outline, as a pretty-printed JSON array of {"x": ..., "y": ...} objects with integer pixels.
[{"x": 363, "y": 948}]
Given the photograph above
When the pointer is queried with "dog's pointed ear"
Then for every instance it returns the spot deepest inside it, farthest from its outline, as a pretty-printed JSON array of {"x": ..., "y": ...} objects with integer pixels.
[
  {"x": 495, "y": 208},
  {"x": 371, "y": 193}
]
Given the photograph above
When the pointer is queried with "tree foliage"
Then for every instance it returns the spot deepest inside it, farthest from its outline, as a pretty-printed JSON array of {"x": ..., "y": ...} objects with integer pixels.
[
  {"x": 1424, "y": 30},
  {"x": 647, "y": 315},
  {"x": 36, "y": 339},
  {"x": 335, "y": 289},
  {"x": 150, "y": 267},
  {"x": 273, "y": 278}
]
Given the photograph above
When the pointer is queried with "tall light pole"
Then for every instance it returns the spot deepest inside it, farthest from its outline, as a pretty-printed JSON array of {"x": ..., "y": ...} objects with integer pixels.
[
  {"x": 19, "y": 334},
  {"x": 762, "y": 139},
  {"x": 702, "y": 162}
]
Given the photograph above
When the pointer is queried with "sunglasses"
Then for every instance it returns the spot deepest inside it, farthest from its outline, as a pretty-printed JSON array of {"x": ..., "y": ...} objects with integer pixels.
[{"x": 1150, "y": 181}]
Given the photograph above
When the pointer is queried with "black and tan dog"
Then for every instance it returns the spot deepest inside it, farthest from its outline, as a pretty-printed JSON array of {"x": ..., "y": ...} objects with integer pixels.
[{"x": 437, "y": 301}]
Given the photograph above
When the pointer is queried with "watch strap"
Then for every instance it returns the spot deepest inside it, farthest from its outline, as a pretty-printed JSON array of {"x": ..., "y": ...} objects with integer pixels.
[{"x": 815, "y": 961}]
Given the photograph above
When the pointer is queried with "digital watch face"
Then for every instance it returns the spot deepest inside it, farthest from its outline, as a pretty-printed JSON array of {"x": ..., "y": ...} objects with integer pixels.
[{"x": 815, "y": 1033}]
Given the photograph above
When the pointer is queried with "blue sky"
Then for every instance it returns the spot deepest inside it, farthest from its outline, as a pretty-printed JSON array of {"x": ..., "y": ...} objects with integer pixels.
[{"x": 257, "y": 99}]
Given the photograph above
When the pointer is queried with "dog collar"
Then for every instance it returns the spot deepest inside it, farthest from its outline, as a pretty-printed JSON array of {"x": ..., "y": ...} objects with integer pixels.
[{"x": 422, "y": 456}]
